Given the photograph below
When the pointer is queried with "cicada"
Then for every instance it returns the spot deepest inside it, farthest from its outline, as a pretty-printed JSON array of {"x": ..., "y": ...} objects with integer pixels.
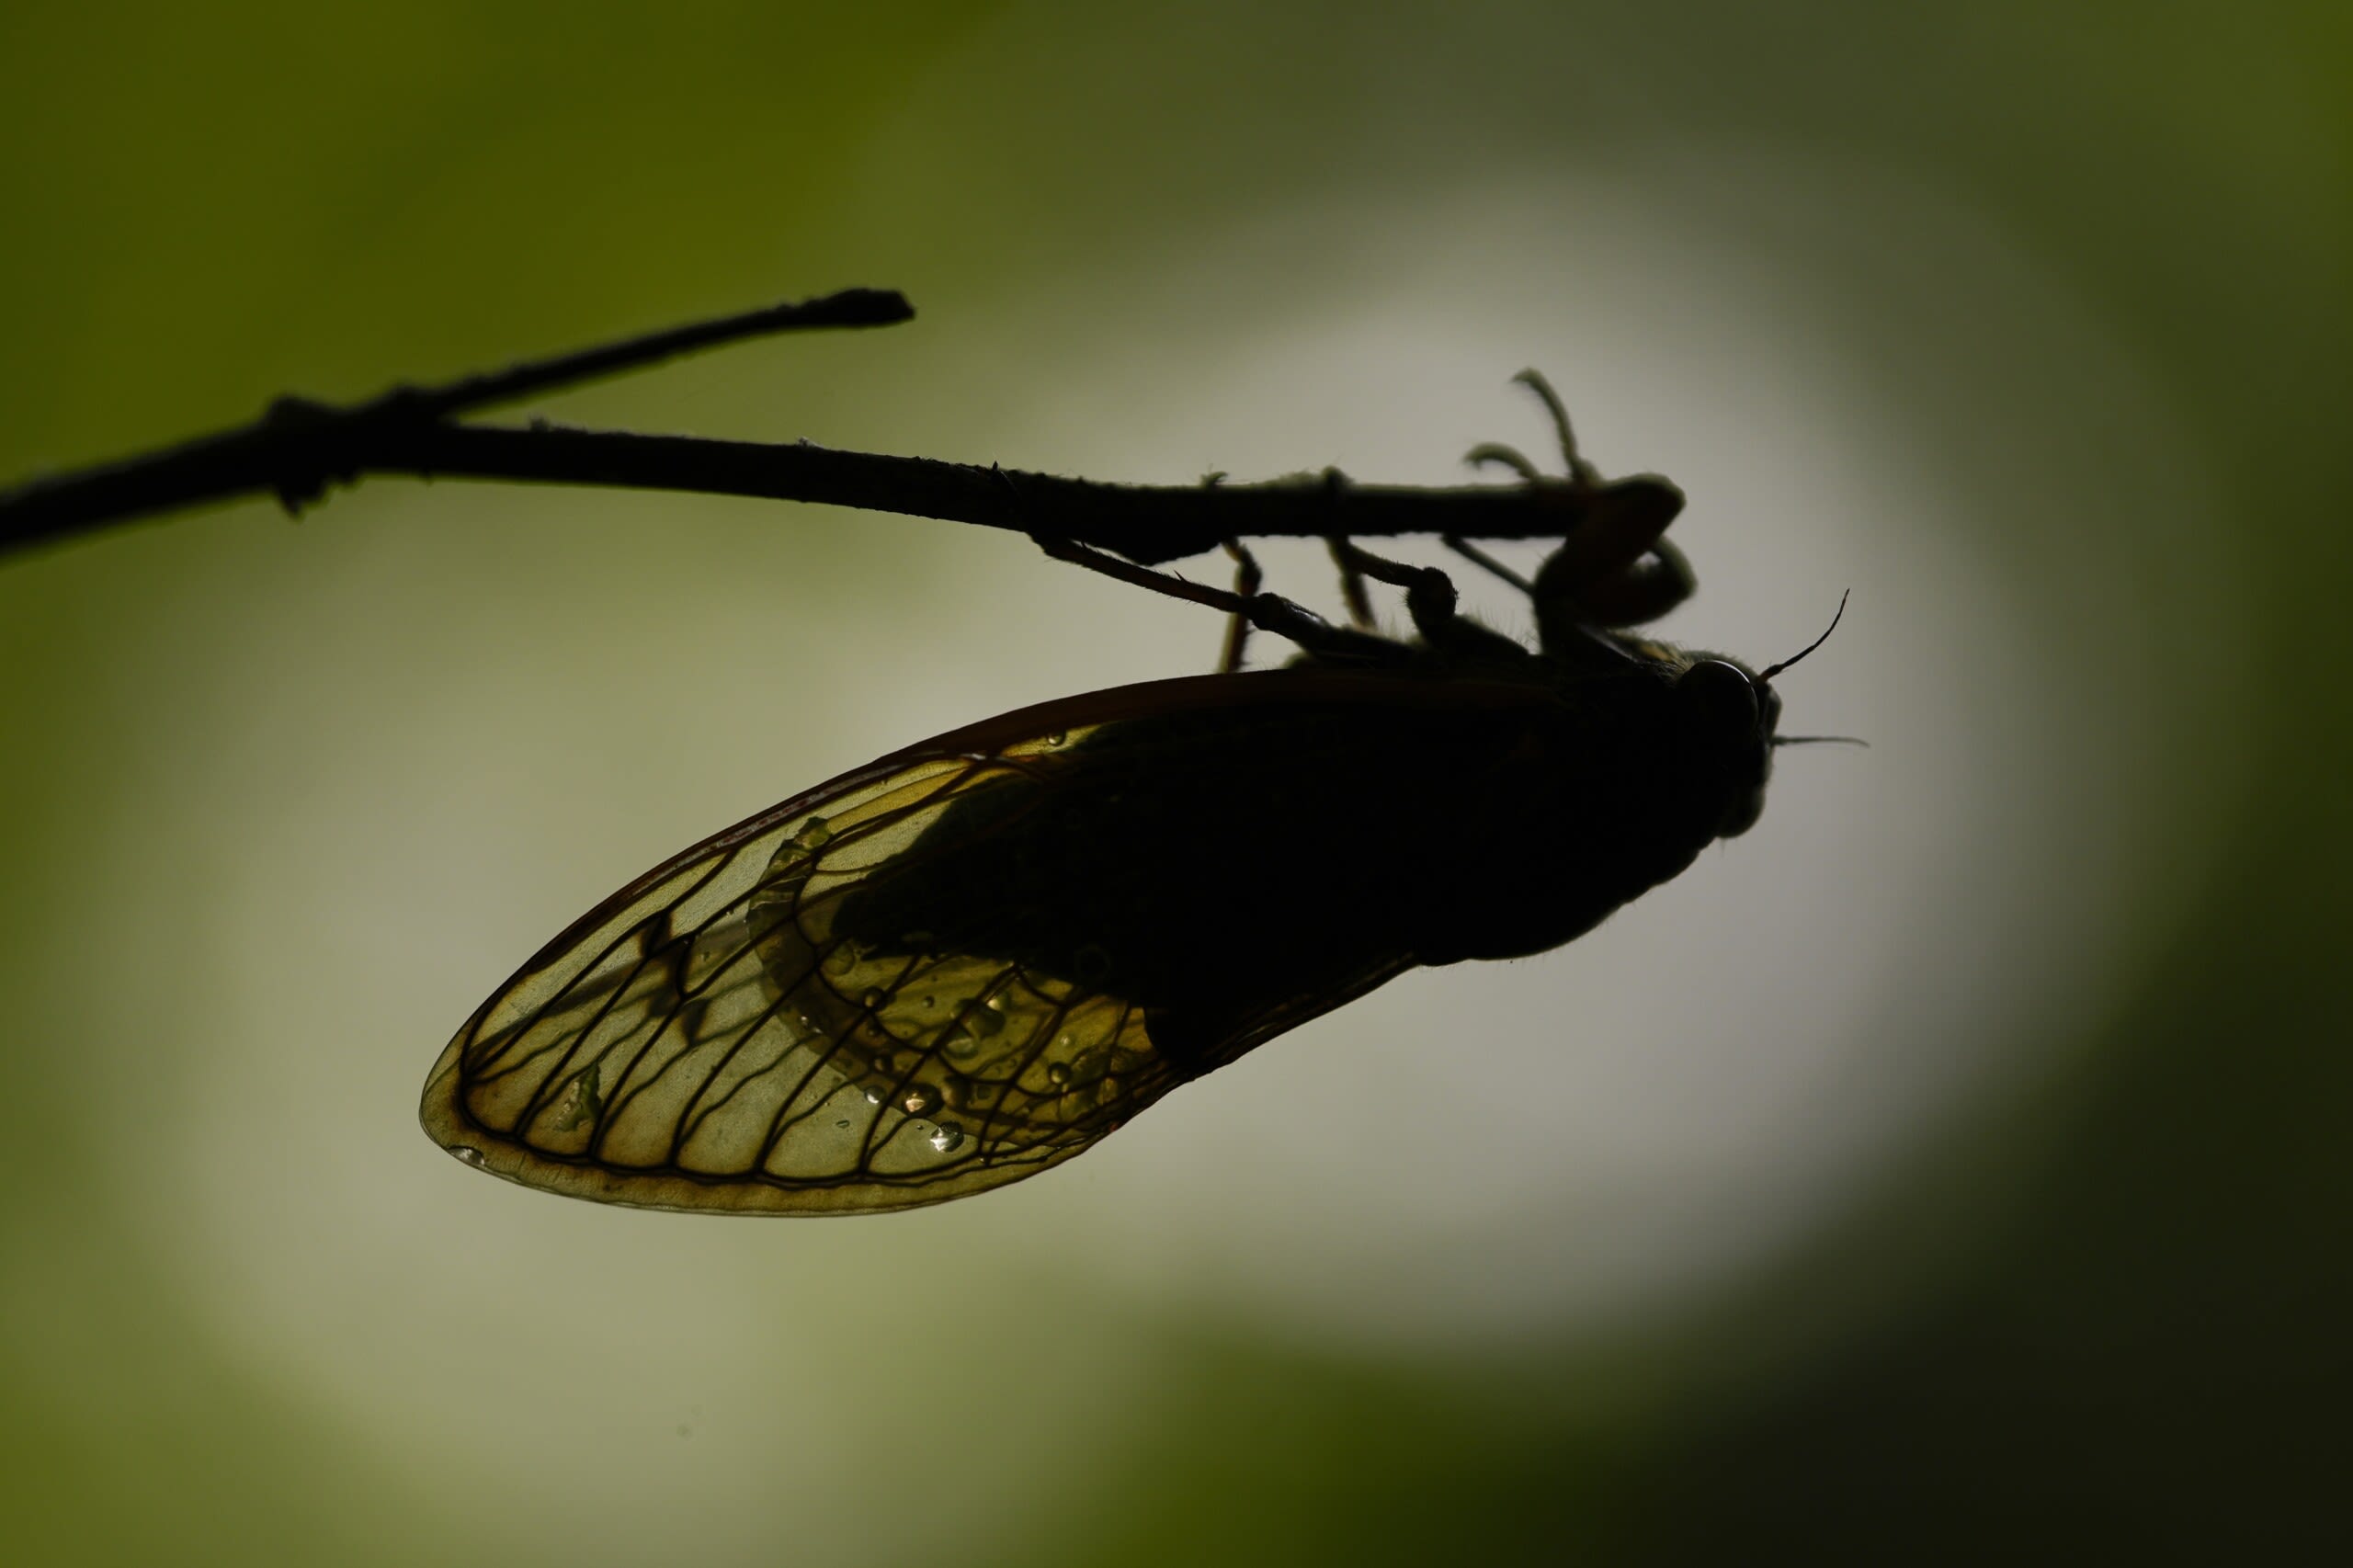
[{"x": 975, "y": 958}]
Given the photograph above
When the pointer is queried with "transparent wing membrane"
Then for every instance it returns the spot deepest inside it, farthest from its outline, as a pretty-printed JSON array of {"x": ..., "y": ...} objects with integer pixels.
[{"x": 709, "y": 1039}]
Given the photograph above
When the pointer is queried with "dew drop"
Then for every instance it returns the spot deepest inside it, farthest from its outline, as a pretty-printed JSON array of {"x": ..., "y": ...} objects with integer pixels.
[
  {"x": 843, "y": 1124},
  {"x": 985, "y": 1021},
  {"x": 947, "y": 1138},
  {"x": 1057, "y": 1074},
  {"x": 916, "y": 1101},
  {"x": 871, "y": 999},
  {"x": 467, "y": 1153}
]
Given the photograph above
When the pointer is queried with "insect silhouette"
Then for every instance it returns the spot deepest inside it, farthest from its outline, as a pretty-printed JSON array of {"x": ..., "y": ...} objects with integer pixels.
[{"x": 975, "y": 958}]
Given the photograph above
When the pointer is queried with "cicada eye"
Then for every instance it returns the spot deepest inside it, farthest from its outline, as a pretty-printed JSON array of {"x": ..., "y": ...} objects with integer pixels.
[{"x": 1723, "y": 693}]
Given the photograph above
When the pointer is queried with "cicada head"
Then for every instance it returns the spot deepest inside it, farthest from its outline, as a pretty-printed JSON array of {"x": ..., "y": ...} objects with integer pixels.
[
  {"x": 1728, "y": 716},
  {"x": 1732, "y": 718}
]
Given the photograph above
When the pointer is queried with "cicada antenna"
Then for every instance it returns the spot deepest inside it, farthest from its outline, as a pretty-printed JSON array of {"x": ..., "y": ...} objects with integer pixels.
[{"x": 1766, "y": 675}]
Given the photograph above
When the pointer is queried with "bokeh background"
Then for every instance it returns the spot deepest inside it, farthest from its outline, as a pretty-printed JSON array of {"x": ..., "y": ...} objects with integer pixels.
[{"x": 1955, "y": 1165}]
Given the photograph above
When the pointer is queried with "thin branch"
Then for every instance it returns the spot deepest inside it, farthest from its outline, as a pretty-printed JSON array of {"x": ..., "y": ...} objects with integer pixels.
[
  {"x": 850, "y": 307},
  {"x": 302, "y": 448},
  {"x": 299, "y": 446},
  {"x": 1148, "y": 523}
]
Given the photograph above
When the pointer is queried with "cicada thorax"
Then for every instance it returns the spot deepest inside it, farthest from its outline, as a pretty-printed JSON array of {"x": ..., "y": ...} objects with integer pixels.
[{"x": 1594, "y": 790}]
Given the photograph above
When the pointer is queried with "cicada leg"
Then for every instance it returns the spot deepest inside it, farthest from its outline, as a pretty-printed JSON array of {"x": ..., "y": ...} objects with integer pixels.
[
  {"x": 1431, "y": 601},
  {"x": 1352, "y": 589},
  {"x": 1614, "y": 568},
  {"x": 1487, "y": 563},
  {"x": 1247, "y": 579},
  {"x": 1264, "y": 611}
]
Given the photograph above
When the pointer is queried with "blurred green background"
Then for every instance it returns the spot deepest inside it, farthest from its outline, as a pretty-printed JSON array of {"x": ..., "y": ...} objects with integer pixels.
[{"x": 1954, "y": 1166}]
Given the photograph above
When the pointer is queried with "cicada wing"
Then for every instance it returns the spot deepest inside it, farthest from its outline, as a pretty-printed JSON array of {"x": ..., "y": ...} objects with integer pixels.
[{"x": 706, "y": 1040}]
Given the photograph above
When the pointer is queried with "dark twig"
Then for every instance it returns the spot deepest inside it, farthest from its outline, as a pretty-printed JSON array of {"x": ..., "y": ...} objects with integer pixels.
[
  {"x": 1149, "y": 523},
  {"x": 851, "y": 307},
  {"x": 302, "y": 448}
]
